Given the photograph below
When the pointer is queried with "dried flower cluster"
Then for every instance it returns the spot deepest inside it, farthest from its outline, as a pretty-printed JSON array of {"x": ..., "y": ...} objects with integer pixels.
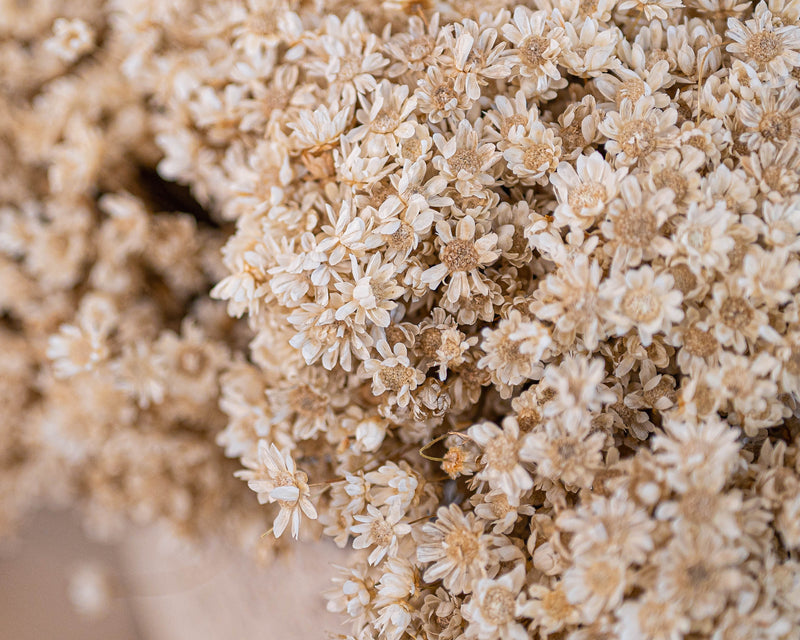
[{"x": 522, "y": 281}]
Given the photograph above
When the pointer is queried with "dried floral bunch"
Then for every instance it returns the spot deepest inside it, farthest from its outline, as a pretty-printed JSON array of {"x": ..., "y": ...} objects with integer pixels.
[{"x": 523, "y": 284}]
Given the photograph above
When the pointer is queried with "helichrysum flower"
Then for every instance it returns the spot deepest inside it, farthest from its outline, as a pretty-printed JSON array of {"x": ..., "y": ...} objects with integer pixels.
[{"x": 275, "y": 478}]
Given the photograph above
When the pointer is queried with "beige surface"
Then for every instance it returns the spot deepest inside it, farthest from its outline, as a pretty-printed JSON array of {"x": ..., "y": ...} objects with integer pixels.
[{"x": 163, "y": 592}]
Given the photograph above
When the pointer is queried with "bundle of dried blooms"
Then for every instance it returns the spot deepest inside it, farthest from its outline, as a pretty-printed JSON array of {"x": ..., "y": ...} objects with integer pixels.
[{"x": 522, "y": 285}]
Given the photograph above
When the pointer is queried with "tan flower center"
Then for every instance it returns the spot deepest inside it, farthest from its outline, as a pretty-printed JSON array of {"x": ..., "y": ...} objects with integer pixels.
[
  {"x": 538, "y": 157},
  {"x": 460, "y": 255},
  {"x": 443, "y": 95},
  {"x": 684, "y": 279},
  {"x": 556, "y": 604},
  {"x": 381, "y": 532},
  {"x": 736, "y": 312},
  {"x": 394, "y": 334},
  {"x": 461, "y": 545},
  {"x": 498, "y": 606},
  {"x": 412, "y": 149},
  {"x": 396, "y": 377},
  {"x": 633, "y": 89},
  {"x": 402, "y": 239},
  {"x": 775, "y": 126},
  {"x": 699, "y": 239},
  {"x": 641, "y": 305},
  {"x": 636, "y": 227},
  {"x": 572, "y": 135},
  {"x": 764, "y": 46},
  {"x": 464, "y": 160},
  {"x": 699, "y": 343},
  {"x": 637, "y": 138},
  {"x": 349, "y": 67},
  {"x": 664, "y": 389},
  {"x": 674, "y": 180},
  {"x": 306, "y": 401},
  {"x": 586, "y": 196},
  {"x": 501, "y": 453},
  {"x": 429, "y": 342},
  {"x": 532, "y": 50},
  {"x": 587, "y": 7},
  {"x": 500, "y": 506}
]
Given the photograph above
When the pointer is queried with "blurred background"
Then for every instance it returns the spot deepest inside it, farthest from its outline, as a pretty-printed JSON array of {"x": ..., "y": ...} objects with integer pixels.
[{"x": 55, "y": 584}]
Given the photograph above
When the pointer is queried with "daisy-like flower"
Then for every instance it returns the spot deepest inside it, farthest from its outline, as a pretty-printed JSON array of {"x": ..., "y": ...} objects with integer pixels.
[
  {"x": 502, "y": 468},
  {"x": 349, "y": 61},
  {"x": 532, "y": 152},
  {"x": 698, "y": 346},
  {"x": 139, "y": 371},
  {"x": 437, "y": 98},
  {"x": 378, "y": 530},
  {"x": 537, "y": 46},
  {"x": 416, "y": 49},
  {"x": 319, "y": 130},
  {"x": 562, "y": 453},
  {"x": 677, "y": 170},
  {"x": 514, "y": 350},
  {"x": 697, "y": 453},
  {"x": 595, "y": 583},
  {"x": 77, "y": 349},
  {"x": 393, "y": 372},
  {"x": 506, "y": 114},
  {"x": 384, "y": 119},
  {"x": 642, "y": 300},
  {"x": 632, "y": 226},
  {"x": 626, "y": 83},
  {"x": 495, "y": 607},
  {"x": 462, "y": 257},
  {"x": 650, "y": 9},
  {"x": 394, "y": 591},
  {"x": 762, "y": 44},
  {"x": 700, "y": 572},
  {"x": 777, "y": 171},
  {"x": 569, "y": 298},
  {"x": 774, "y": 117},
  {"x": 637, "y": 130},
  {"x": 371, "y": 294},
  {"x": 583, "y": 191},
  {"x": 651, "y": 617},
  {"x": 769, "y": 277},
  {"x": 588, "y": 51},
  {"x": 464, "y": 162},
  {"x": 275, "y": 478},
  {"x": 550, "y": 609},
  {"x": 608, "y": 526},
  {"x": 458, "y": 548},
  {"x": 473, "y": 57},
  {"x": 736, "y": 320},
  {"x": 703, "y": 237},
  {"x": 406, "y": 218}
]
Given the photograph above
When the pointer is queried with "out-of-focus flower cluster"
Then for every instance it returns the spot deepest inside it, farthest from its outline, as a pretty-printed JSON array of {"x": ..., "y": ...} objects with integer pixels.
[
  {"x": 522, "y": 281},
  {"x": 111, "y": 350}
]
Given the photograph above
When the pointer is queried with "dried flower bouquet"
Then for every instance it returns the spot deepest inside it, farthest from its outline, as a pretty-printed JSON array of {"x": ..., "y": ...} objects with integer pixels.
[{"x": 521, "y": 287}]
